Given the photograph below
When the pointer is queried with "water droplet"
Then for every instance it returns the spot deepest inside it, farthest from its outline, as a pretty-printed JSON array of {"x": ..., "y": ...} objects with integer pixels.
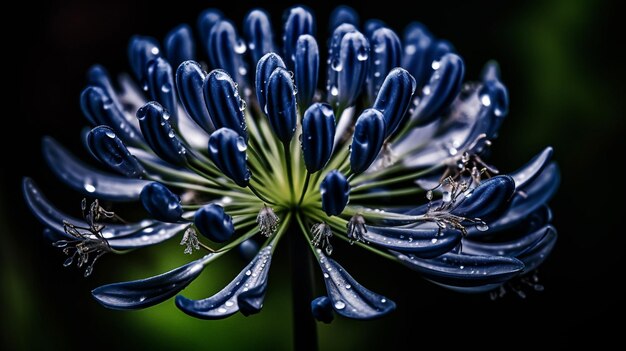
[
  {"x": 410, "y": 49},
  {"x": 68, "y": 261},
  {"x": 334, "y": 91},
  {"x": 362, "y": 55},
  {"x": 447, "y": 196},
  {"x": 348, "y": 286},
  {"x": 376, "y": 74},
  {"x": 221, "y": 310},
  {"x": 326, "y": 275},
  {"x": 376, "y": 62},
  {"x": 142, "y": 299},
  {"x": 336, "y": 65},
  {"x": 426, "y": 90},
  {"x": 383, "y": 300},
  {"x": 242, "y": 104},
  {"x": 166, "y": 88},
  {"x": 429, "y": 195},
  {"x": 435, "y": 65},
  {"x": 483, "y": 227},
  {"x": 248, "y": 272},
  {"x": 340, "y": 305},
  {"x": 251, "y": 46},
  {"x": 240, "y": 47},
  {"x": 434, "y": 240},
  {"x": 110, "y": 134},
  {"x": 461, "y": 267},
  {"x": 229, "y": 303},
  {"x": 154, "y": 50},
  {"x": 241, "y": 145},
  {"x": 243, "y": 70},
  {"x": 89, "y": 186},
  {"x": 485, "y": 100},
  {"x": 171, "y": 134}
]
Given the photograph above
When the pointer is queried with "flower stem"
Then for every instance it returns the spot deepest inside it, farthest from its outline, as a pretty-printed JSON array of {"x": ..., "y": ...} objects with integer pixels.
[
  {"x": 305, "y": 187},
  {"x": 259, "y": 195},
  {"x": 289, "y": 170}
]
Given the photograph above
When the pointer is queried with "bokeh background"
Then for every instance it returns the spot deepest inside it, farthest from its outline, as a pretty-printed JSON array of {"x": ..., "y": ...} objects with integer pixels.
[{"x": 566, "y": 84}]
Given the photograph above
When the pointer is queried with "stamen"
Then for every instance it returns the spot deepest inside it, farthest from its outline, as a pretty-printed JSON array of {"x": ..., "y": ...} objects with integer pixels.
[
  {"x": 321, "y": 236},
  {"x": 356, "y": 228},
  {"x": 267, "y": 221},
  {"x": 190, "y": 241}
]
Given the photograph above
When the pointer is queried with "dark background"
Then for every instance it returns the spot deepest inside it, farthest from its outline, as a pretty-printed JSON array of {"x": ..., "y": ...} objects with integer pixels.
[{"x": 566, "y": 87}]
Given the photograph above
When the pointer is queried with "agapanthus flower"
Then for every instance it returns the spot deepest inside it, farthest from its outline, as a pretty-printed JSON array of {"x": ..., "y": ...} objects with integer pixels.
[{"x": 253, "y": 137}]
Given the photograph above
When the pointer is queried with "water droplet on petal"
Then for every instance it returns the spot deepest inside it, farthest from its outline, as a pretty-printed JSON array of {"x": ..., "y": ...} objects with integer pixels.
[
  {"x": 248, "y": 272},
  {"x": 485, "y": 100},
  {"x": 483, "y": 227},
  {"x": 340, "y": 305},
  {"x": 334, "y": 91}
]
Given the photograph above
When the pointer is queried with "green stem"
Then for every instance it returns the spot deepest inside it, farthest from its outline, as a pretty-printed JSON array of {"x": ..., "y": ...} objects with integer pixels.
[
  {"x": 305, "y": 187},
  {"x": 259, "y": 195},
  {"x": 290, "y": 179}
]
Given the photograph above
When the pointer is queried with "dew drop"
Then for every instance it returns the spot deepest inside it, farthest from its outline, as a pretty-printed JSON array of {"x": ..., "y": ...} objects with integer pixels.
[
  {"x": 248, "y": 272},
  {"x": 334, "y": 91},
  {"x": 229, "y": 303},
  {"x": 142, "y": 299},
  {"x": 89, "y": 186},
  {"x": 426, "y": 90},
  {"x": 433, "y": 240},
  {"x": 221, "y": 310},
  {"x": 485, "y": 100},
  {"x": 110, "y": 134},
  {"x": 340, "y": 305},
  {"x": 348, "y": 286},
  {"x": 154, "y": 51},
  {"x": 240, "y": 47},
  {"x": 362, "y": 55},
  {"x": 326, "y": 275},
  {"x": 243, "y": 70},
  {"x": 435, "y": 65},
  {"x": 166, "y": 88},
  {"x": 483, "y": 227},
  {"x": 336, "y": 65},
  {"x": 383, "y": 300},
  {"x": 461, "y": 267},
  {"x": 447, "y": 196}
]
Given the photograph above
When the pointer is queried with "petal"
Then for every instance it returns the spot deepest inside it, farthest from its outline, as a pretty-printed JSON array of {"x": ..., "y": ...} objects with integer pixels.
[
  {"x": 335, "y": 191},
  {"x": 264, "y": 68},
  {"x": 386, "y": 55},
  {"x": 214, "y": 223},
  {"x": 367, "y": 140},
  {"x": 349, "y": 298},
  {"x": 223, "y": 102},
  {"x": 226, "y": 50},
  {"x": 142, "y": 50},
  {"x": 281, "y": 104},
  {"x": 179, "y": 45},
  {"x": 160, "y": 82},
  {"x": 161, "y": 203},
  {"x": 422, "y": 241},
  {"x": 257, "y": 29},
  {"x": 159, "y": 134},
  {"x": 306, "y": 68},
  {"x": 351, "y": 70},
  {"x": 207, "y": 19},
  {"x": 148, "y": 292},
  {"x": 343, "y": 14},
  {"x": 245, "y": 292},
  {"x": 533, "y": 168},
  {"x": 322, "y": 309},
  {"x": 394, "y": 98},
  {"x": 420, "y": 50},
  {"x": 110, "y": 150},
  {"x": 298, "y": 21},
  {"x": 189, "y": 80},
  {"x": 318, "y": 133},
  {"x": 487, "y": 199},
  {"x": 87, "y": 180},
  {"x": 248, "y": 249},
  {"x": 227, "y": 150},
  {"x": 371, "y": 25},
  {"x": 99, "y": 77}
]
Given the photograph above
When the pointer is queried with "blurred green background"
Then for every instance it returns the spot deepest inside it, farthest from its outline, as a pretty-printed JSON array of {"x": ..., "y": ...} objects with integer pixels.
[{"x": 566, "y": 87}]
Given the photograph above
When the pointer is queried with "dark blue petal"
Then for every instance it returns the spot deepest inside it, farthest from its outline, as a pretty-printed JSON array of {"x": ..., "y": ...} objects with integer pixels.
[
  {"x": 441, "y": 90},
  {"x": 322, "y": 309},
  {"x": 110, "y": 150},
  {"x": 368, "y": 138},
  {"x": 487, "y": 199},
  {"x": 160, "y": 82},
  {"x": 223, "y": 102},
  {"x": 100, "y": 109},
  {"x": 207, "y": 19},
  {"x": 158, "y": 132},
  {"x": 533, "y": 168},
  {"x": 464, "y": 270},
  {"x": 306, "y": 68},
  {"x": 228, "y": 151},
  {"x": 264, "y": 68},
  {"x": 161, "y": 203},
  {"x": 335, "y": 191},
  {"x": 334, "y": 50},
  {"x": 394, "y": 98},
  {"x": 248, "y": 249},
  {"x": 420, "y": 50},
  {"x": 257, "y": 29},
  {"x": 423, "y": 241},
  {"x": 494, "y": 94},
  {"x": 87, "y": 180},
  {"x": 148, "y": 292},
  {"x": 351, "y": 70},
  {"x": 179, "y": 45},
  {"x": 343, "y": 14},
  {"x": 142, "y": 50},
  {"x": 535, "y": 255},
  {"x": 245, "y": 292},
  {"x": 99, "y": 77},
  {"x": 298, "y": 21},
  {"x": 350, "y": 299},
  {"x": 189, "y": 80},
  {"x": 214, "y": 223},
  {"x": 318, "y": 134},
  {"x": 146, "y": 236},
  {"x": 281, "y": 104},
  {"x": 386, "y": 55},
  {"x": 226, "y": 50},
  {"x": 371, "y": 25}
]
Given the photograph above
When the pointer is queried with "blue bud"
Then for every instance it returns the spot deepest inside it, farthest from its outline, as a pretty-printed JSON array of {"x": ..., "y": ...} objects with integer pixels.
[
  {"x": 394, "y": 98},
  {"x": 207, "y": 19},
  {"x": 489, "y": 198},
  {"x": 343, "y": 14},
  {"x": 318, "y": 133},
  {"x": 158, "y": 132},
  {"x": 189, "y": 80},
  {"x": 160, "y": 82},
  {"x": 161, "y": 203},
  {"x": 214, "y": 223},
  {"x": 227, "y": 150},
  {"x": 99, "y": 77},
  {"x": 386, "y": 55},
  {"x": 248, "y": 249},
  {"x": 368, "y": 138},
  {"x": 142, "y": 50},
  {"x": 335, "y": 191},
  {"x": 371, "y": 26},
  {"x": 281, "y": 104},
  {"x": 322, "y": 309},
  {"x": 334, "y": 63},
  {"x": 441, "y": 90},
  {"x": 351, "y": 70},
  {"x": 179, "y": 45},
  {"x": 110, "y": 150},
  {"x": 226, "y": 50},
  {"x": 495, "y": 96},
  {"x": 298, "y": 21},
  {"x": 257, "y": 29},
  {"x": 306, "y": 68},
  {"x": 223, "y": 102},
  {"x": 264, "y": 68},
  {"x": 420, "y": 50}
]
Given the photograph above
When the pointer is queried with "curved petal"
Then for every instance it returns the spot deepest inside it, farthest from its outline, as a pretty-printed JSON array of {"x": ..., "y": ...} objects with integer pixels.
[
  {"x": 87, "y": 180},
  {"x": 421, "y": 241},
  {"x": 533, "y": 168},
  {"x": 350, "y": 299},
  {"x": 147, "y": 292}
]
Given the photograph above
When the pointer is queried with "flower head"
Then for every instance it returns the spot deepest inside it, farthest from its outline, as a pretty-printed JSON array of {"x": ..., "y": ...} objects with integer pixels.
[{"x": 390, "y": 155}]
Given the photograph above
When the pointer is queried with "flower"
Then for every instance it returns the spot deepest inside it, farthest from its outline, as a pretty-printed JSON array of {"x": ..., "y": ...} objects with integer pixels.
[{"x": 390, "y": 156}]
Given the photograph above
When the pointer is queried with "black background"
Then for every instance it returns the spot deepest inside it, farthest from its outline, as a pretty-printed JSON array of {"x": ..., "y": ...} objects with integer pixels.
[{"x": 46, "y": 69}]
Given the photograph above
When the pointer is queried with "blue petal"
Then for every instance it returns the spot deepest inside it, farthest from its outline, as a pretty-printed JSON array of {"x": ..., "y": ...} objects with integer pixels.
[
  {"x": 257, "y": 29},
  {"x": 148, "y": 292},
  {"x": 350, "y": 299},
  {"x": 322, "y": 309},
  {"x": 87, "y": 180},
  {"x": 298, "y": 21},
  {"x": 207, "y": 19},
  {"x": 497, "y": 94},
  {"x": 158, "y": 132},
  {"x": 189, "y": 80},
  {"x": 386, "y": 55},
  {"x": 99, "y": 77},
  {"x": 487, "y": 199},
  {"x": 420, "y": 50},
  {"x": 515, "y": 248},
  {"x": 245, "y": 292},
  {"x": 161, "y": 203},
  {"x": 226, "y": 50},
  {"x": 179, "y": 45},
  {"x": 394, "y": 98},
  {"x": 160, "y": 82},
  {"x": 464, "y": 270},
  {"x": 110, "y": 150},
  {"x": 335, "y": 191},
  {"x": 228, "y": 151},
  {"x": 281, "y": 104},
  {"x": 533, "y": 168},
  {"x": 343, "y": 14},
  {"x": 214, "y": 223},
  {"x": 306, "y": 69},
  {"x": 371, "y": 25},
  {"x": 422, "y": 241},
  {"x": 264, "y": 68},
  {"x": 441, "y": 90},
  {"x": 318, "y": 134},
  {"x": 248, "y": 249},
  {"x": 142, "y": 50},
  {"x": 223, "y": 102},
  {"x": 350, "y": 71},
  {"x": 368, "y": 138}
]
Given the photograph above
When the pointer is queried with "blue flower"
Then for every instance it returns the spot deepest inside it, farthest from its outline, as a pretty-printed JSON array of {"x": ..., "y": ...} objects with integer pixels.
[{"x": 390, "y": 155}]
